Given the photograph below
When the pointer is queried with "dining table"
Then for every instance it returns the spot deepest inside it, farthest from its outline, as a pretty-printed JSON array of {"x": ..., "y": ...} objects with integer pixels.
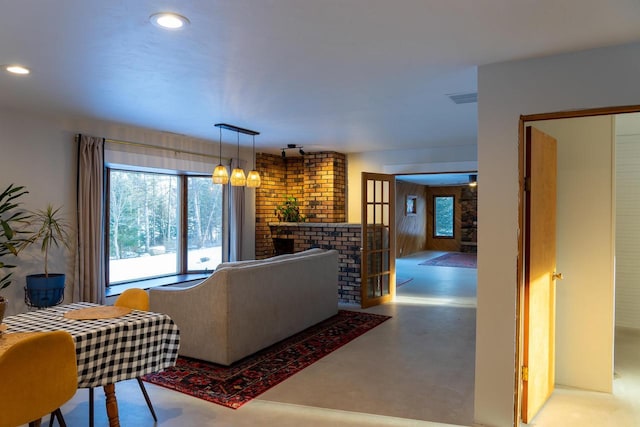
[{"x": 128, "y": 344}]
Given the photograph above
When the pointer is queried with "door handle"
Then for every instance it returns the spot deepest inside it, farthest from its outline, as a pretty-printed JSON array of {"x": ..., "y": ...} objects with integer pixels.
[{"x": 557, "y": 276}]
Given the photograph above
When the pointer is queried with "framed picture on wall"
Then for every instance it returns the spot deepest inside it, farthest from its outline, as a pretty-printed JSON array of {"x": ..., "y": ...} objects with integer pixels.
[{"x": 411, "y": 205}]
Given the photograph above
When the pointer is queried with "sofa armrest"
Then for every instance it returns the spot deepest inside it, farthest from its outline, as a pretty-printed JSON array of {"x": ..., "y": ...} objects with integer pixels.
[{"x": 199, "y": 311}]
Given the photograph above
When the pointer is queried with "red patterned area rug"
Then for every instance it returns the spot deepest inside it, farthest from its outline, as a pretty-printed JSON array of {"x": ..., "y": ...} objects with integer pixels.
[
  {"x": 235, "y": 385},
  {"x": 454, "y": 259}
]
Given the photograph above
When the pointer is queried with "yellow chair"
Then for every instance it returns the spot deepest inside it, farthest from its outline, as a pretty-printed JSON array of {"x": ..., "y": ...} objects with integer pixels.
[
  {"x": 38, "y": 374},
  {"x": 136, "y": 299}
]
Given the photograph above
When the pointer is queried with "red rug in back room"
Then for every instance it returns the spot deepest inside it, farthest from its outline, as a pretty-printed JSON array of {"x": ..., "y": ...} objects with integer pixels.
[{"x": 454, "y": 259}]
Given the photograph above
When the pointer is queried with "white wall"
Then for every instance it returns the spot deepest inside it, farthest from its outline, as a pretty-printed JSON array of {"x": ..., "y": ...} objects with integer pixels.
[
  {"x": 40, "y": 153},
  {"x": 585, "y": 251},
  {"x": 424, "y": 160},
  {"x": 627, "y": 220},
  {"x": 589, "y": 79}
]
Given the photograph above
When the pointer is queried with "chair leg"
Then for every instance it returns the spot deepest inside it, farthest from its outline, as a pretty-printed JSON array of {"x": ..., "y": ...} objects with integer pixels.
[
  {"x": 146, "y": 397},
  {"x": 90, "y": 406},
  {"x": 35, "y": 423},
  {"x": 58, "y": 415}
]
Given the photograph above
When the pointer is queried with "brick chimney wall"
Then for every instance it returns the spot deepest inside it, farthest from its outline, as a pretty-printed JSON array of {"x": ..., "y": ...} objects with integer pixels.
[
  {"x": 324, "y": 187},
  {"x": 317, "y": 180}
]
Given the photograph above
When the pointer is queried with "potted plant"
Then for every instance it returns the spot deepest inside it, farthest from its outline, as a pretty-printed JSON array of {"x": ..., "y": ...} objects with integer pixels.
[
  {"x": 52, "y": 230},
  {"x": 289, "y": 211},
  {"x": 12, "y": 234}
]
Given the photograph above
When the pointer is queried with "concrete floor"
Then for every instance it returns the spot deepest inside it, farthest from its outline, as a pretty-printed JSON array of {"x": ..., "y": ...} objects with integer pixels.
[
  {"x": 569, "y": 407},
  {"x": 416, "y": 369}
]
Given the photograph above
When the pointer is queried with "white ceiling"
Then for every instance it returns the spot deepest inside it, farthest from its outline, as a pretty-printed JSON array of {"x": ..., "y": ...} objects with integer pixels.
[{"x": 346, "y": 75}]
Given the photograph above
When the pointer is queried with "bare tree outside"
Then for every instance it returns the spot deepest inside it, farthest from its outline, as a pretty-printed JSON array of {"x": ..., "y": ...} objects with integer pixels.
[{"x": 144, "y": 224}]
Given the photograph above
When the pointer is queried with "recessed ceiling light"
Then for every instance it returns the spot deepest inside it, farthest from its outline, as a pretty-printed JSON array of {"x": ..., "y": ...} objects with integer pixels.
[
  {"x": 168, "y": 20},
  {"x": 17, "y": 69}
]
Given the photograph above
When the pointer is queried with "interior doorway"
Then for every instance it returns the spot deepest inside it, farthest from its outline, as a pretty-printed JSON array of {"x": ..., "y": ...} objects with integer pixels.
[
  {"x": 436, "y": 212},
  {"x": 436, "y": 215},
  {"x": 441, "y": 281},
  {"x": 588, "y": 199}
]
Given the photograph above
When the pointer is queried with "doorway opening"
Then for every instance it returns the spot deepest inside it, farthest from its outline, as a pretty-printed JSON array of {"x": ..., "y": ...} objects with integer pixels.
[
  {"x": 436, "y": 266},
  {"x": 588, "y": 196}
]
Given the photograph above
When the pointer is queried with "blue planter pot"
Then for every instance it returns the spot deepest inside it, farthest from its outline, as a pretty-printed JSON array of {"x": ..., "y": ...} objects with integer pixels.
[{"x": 44, "y": 291}]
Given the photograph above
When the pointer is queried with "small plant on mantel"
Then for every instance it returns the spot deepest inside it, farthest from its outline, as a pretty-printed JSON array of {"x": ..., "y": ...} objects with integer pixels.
[{"x": 289, "y": 211}]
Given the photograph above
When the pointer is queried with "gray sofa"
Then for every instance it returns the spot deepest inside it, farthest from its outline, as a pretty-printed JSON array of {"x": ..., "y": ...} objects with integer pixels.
[{"x": 246, "y": 306}]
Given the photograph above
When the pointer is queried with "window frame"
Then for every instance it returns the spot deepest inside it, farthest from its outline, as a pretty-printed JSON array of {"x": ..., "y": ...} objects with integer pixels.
[
  {"x": 453, "y": 216},
  {"x": 183, "y": 235}
]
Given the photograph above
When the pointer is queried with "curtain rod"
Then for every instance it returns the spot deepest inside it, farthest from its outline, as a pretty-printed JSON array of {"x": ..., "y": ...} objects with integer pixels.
[{"x": 157, "y": 147}]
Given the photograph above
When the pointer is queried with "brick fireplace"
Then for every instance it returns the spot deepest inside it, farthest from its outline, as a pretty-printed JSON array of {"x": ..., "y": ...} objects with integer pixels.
[{"x": 318, "y": 182}]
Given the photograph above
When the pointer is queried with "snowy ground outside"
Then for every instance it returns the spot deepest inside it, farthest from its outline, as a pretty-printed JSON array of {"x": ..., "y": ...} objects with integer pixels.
[{"x": 122, "y": 270}]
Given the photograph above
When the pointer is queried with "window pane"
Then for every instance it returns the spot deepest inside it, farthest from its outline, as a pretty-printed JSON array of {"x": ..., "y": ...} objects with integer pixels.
[
  {"x": 143, "y": 225},
  {"x": 204, "y": 224},
  {"x": 443, "y": 216}
]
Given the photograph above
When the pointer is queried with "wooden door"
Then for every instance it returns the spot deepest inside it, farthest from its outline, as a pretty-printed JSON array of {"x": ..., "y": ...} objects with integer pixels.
[
  {"x": 538, "y": 372},
  {"x": 378, "y": 262}
]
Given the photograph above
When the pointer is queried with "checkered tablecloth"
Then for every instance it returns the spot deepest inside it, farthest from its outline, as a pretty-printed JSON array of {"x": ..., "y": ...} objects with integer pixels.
[{"x": 109, "y": 350}]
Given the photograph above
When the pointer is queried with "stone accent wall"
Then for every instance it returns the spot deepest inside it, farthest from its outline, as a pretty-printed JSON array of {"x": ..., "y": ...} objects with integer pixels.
[
  {"x": 469, "y": 219},
  {"x": 345, "y": 238},
  {"x": 317, "y": 180}
]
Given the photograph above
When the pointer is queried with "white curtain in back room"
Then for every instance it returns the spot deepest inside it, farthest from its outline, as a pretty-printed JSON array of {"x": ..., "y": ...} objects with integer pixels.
[{"x": 628, "y": 220}]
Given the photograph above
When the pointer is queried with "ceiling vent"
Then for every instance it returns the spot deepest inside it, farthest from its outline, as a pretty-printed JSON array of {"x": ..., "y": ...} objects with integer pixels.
[{"x": 464, "y": 98}]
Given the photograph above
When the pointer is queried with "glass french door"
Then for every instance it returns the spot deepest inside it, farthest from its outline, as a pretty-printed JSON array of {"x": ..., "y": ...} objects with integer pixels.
[{"x": 378, "y": 262}]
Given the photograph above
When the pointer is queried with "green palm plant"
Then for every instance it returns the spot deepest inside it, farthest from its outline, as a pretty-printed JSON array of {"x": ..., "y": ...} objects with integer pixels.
[
  {"x": 53, "y": 231},
  {"x": 12, "y": 233}
]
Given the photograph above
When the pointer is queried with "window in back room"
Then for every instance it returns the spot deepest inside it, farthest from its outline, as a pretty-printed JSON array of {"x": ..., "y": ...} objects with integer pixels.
[{"x": 443, "y": 216}]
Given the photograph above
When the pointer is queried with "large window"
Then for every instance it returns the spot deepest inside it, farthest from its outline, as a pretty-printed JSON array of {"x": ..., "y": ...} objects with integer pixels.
[
  {"x": 162, "y": 224},
  {"x": 443, "y": 216}
]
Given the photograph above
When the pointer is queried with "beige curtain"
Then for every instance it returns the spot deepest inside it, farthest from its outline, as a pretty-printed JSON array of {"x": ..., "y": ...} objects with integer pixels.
[
  {"x": 236, "y": 216},
  {"x": 90, "y": 264}
]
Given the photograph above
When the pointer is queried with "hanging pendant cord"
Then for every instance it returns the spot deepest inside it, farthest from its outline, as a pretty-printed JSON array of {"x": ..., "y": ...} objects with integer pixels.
[{"x": 238, "y": 158}]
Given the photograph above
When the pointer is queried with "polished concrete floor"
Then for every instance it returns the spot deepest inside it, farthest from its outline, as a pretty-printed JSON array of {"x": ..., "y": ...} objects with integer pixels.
[
  {"x": 579, "y": 408},
  {"x": 416, "y": 369}
]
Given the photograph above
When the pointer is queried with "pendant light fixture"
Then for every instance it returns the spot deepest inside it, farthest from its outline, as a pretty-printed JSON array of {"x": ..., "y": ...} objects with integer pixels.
[
  {"x": 237, "y": 175},
  {"x": 220, "y": 174},
  {"x": 253, "y": 178}
]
